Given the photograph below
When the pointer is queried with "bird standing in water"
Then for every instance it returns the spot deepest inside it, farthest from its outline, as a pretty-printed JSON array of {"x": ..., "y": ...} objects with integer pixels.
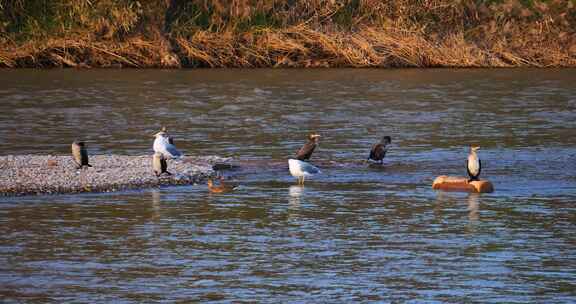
[
  {"x": 159, "y": 164},
  {"x": 473, "y": 164},
  {"x": 162, "y": 145},
  {"x": 378, "y": 151},
  {"x": 301, "y": 169},
  {"x": 80, "y": 154},
  {"x": 306, "y": 151}
]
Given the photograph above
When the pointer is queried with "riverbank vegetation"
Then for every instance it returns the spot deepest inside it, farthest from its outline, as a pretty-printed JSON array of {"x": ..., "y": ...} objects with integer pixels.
[{"x": 287, "y": 33}]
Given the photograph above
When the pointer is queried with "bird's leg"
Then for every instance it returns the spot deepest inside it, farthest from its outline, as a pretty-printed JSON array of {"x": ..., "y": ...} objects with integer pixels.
[
  {"x": 168, "y": 173},
  {"x": 303, "y": 177}
]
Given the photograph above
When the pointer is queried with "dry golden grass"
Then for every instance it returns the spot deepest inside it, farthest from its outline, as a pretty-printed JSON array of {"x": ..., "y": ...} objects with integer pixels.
[{"x": 282, "y": 33}]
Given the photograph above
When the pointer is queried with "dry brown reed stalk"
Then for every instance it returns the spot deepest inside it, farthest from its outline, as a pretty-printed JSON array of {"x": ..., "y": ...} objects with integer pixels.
[{"x": 283, "y": 33}]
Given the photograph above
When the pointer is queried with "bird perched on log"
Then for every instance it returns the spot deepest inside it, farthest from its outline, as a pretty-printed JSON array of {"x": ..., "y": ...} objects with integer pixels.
[
  {"x": 473, "y": 164},
  {"x": 308, "y": 148},
  {"x": 80, "y": 154},
  {"x": 222, "y": 187},
  {"x": 162, "y": 145},
  {"x": 379, "y": 149},
  {"x": 170, "y": 137},
  {"x": 301, "y": 169},
  {"x": 159, "y": 164}
]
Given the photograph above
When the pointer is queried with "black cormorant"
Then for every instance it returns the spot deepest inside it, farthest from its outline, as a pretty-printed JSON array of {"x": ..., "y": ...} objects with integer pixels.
[
  {"x": 378, "y": 151},
  {"x": 306, "y": 151}
]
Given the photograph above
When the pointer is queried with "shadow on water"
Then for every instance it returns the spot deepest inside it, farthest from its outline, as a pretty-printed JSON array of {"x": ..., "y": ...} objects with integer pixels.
[{"x": 355, "y": 233}]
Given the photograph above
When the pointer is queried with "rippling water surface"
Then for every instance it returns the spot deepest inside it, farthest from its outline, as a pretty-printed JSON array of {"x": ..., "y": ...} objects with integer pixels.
[{"x": 352, "y": 234}]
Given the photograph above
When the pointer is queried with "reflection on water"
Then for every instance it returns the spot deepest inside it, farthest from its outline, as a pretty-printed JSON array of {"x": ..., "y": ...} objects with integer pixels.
[
  {"x": 296, "y": 191},
  {"x": 473, "y": 205},
  {"x": 353, "y": 234},
  {"x": 156, "y": 199},
  {"x": 294, "y": 201}
]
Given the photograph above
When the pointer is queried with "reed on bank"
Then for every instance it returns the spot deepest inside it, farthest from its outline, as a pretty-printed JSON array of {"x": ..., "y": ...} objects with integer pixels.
[{"x": 288, "y": 33}]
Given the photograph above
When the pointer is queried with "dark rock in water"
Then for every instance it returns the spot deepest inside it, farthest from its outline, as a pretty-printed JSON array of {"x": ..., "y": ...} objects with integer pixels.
[{"x": 224, "y": 166}]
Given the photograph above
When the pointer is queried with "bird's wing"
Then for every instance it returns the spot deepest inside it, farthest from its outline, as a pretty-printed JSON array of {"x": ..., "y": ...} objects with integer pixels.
[
  {"x": 306, "y": 167},
  {"x": 84, "y": 156},
  {"x": 479, "y": 167},
  {"x": 371, "y": 156},
  {"x": 376, "y": 152},
  {"x": 173, "y": 151}
]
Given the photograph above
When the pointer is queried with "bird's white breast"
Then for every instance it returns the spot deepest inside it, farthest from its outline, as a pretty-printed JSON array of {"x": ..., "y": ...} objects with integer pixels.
[
  {"x": 295, "y": 168},
  {"x": 473, "y": 164},
  {"x": 160, "y": 144}
]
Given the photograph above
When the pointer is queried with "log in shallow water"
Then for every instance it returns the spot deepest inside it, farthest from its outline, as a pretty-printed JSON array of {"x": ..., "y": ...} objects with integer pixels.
[
  {"x": 456, "y": 183},
  {"x": 47, "y": 174}
]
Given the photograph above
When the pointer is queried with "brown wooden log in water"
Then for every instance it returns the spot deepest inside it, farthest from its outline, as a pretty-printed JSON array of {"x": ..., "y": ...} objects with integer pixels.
[{"x": 457, "y": 183}]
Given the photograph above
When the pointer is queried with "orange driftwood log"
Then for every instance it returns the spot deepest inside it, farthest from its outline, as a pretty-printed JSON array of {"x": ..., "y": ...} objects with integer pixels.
[{"x": 455, "y": 183}]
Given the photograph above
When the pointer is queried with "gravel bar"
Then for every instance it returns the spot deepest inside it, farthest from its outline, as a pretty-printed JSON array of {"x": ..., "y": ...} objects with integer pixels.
[{"x": 48, "y": 174}]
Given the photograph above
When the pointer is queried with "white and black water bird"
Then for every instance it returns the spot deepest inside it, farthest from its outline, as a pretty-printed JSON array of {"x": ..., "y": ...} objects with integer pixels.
[
  {"x": 308, "y": 148},
  {"x": 473, "y": 164},
  {"x": 159, "y": 164},
  {"x": 162, "y": 145},
  {"x": 301, "y": 169},
  {"x": 80, "y": 154},
  {"x": 379, "y": 149}
]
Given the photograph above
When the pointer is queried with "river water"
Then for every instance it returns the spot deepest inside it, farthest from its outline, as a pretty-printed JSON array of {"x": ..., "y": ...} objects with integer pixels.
[{"x": 352, "y": 234}]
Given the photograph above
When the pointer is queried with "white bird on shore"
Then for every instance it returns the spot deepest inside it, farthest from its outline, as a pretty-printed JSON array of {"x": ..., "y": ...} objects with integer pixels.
[
  {"x": 301, "y": 169},
  {"x": 162, "y": 145}
]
